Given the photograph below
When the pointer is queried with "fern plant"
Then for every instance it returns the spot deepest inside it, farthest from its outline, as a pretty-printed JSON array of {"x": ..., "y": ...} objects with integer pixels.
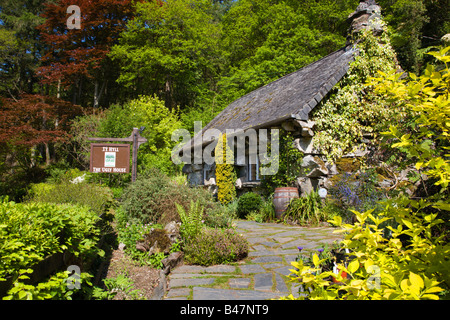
[{"x": 191, "y": 221}]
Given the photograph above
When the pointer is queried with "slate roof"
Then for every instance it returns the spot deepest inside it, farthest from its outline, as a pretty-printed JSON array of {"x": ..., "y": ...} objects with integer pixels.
[{"x": 290, "y": 97}]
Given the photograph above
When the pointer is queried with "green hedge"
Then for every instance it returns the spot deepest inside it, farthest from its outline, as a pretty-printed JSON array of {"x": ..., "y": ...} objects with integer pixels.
[{"x": 98, "y": 198}]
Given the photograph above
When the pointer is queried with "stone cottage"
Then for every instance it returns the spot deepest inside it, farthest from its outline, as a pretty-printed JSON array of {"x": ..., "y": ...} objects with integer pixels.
[{"x": 286, "y": 103}]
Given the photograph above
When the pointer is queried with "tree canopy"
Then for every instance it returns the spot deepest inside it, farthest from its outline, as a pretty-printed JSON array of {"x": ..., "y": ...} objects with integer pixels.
[{"x": 192, "y": 56}]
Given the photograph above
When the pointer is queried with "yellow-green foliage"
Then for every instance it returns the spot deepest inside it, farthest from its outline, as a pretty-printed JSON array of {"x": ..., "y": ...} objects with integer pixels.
[
  {"x": 413, "y": 261},
  {"x": 427, "y": 96},
  {"x": 383, "y": 268},
  {"x": 225, "y": 175}
]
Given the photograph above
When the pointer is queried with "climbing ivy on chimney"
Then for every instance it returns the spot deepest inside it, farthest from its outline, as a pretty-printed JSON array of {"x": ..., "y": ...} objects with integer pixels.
[{"x": 354, "y": 115}]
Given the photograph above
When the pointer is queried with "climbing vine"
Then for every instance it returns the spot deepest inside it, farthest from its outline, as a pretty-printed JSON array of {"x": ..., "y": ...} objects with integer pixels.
[
  {"x": 289, "y": 160},
  {"x": 353, "y": 110}
]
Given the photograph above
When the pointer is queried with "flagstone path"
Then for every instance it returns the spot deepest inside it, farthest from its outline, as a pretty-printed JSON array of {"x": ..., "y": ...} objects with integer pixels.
[{"x": 262, "y": 275}]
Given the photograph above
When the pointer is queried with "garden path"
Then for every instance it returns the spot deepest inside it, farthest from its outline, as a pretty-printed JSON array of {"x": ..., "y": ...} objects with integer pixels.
[{"x": 262, "y": 275}]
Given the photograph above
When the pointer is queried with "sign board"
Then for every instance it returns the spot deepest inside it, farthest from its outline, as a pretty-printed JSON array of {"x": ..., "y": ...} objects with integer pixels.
[{"x": 110, "y": 158}]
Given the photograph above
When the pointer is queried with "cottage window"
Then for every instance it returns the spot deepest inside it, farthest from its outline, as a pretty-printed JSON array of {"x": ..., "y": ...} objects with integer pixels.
[{"x": 253, "y": 171}]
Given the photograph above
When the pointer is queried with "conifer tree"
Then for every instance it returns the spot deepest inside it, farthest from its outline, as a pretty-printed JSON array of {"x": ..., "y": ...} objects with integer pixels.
[{"x": 225, "y": 174}]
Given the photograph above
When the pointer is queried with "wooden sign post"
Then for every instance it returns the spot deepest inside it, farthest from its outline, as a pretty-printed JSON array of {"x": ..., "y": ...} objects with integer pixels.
[
  {"x": 102, "y": 161},
  {"x": 109, "y": 157}
]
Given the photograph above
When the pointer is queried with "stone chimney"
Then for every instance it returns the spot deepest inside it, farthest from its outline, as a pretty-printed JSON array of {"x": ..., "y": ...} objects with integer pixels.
[{"x": 366, "y": 16}]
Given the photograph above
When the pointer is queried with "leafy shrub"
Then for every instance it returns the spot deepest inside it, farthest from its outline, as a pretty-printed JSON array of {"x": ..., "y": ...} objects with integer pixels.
[
  {"x": 151, "y": 199},
  {"x": 132, "y": 233},
  {"x": 55, "y": 288},
  {"x": 247, "y": 203},
  {"x": 99, "y": 199},
  {"x": 159, "y": 123},
  {"x": 221, "y": 216},
  {"x": 383, "y": 268},
  {"x": 256, "y": 216},
  {"x": 29, "y": 232},
  {"x": 120, "y": 285},
  {"x": 215, "y": 246},
  {"x": 267, "y": 210},
  {"x": 305, "y": 210}
]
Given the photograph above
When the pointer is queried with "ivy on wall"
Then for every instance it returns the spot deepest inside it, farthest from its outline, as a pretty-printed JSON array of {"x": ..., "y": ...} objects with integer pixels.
[
  {"x": 353, "y": 109},
  {"x": 289, "y": 164}
]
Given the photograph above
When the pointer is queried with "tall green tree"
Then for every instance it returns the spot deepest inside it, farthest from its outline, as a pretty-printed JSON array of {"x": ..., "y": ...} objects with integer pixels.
[
  {"x": 416, "y": 26},
  {"x": 20, "y": 46},
  {"x": 267, "y": 39},
  {"x": 170, "y": 49}
]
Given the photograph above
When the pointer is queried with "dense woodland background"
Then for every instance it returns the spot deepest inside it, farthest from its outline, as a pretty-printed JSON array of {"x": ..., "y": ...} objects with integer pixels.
[{"x": 162, "y": 64}]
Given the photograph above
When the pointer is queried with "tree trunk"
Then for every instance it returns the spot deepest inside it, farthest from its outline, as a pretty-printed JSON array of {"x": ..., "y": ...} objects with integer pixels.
[
  {"x": 58, "y": 92},
  {"x": 47, "y": 154},
  {"x": 98, "y": 93},
  {"x": 168, "y": 94}
]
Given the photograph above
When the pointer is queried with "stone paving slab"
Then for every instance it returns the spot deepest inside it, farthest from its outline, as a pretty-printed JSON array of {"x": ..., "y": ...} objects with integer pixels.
[
  {"x": 262, "y": 253},
  {"x": 269, "y": 266},
  {"x": 263, "y": 281},
  {"x": 178, "y": 292},
  {"x": 220, "y": 269},
  {"x": 190, "y": 282},
  {"x": 200, "y": 293},
  {"x": 262, "y": 275},
  {"x": 189, "y": 269},
  {"x": 239, "y": 283},
  {"x": 266, "y": 259},
  {"x": 251, "y": 268},
  {"x": 284, "y": 270},
  {"x": 281, "y": 284}
]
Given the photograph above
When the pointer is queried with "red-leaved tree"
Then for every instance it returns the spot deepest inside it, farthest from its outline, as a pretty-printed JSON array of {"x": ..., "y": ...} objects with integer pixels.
[
  {"x": 35, "y": 120},
  {"x": 77, "y": 58}
]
